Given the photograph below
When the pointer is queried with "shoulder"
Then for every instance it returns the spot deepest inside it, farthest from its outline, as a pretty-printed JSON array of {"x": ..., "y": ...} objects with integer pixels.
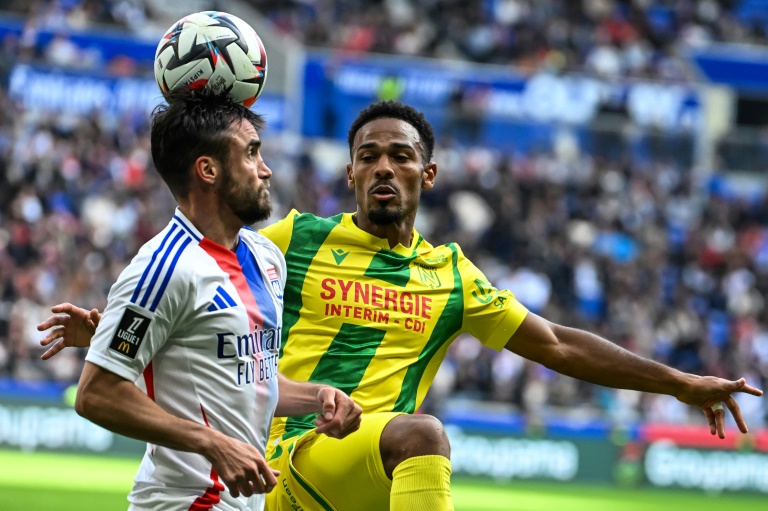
[
  {"x": 294, "y": 219},
  {"x": 441, "y": 254},
  {"x": 257, "y": 239},
  {"x": 262, "y": 247},
  {"x": 164, "y": 263},
  {"x": 297, "y": 228}
]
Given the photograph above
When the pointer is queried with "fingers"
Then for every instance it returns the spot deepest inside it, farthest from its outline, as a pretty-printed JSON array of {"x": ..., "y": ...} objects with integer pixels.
[
  {"x": 93, "y": 318},
  {"x": 749, "y": 389},
  {"x": 268, "y": 475},
  {"x": 260, "y": 478},
  {"x": 53, "y": 349},
  {"x": 347, "y": 420},
  {"x": 710, "y": 419},
  {"x": 252, "y": 484},
  {"x": 719, "y": 420},
  {"x": 65, "y": 308},
  {"x": 51, "y": 322},
  {"x": 733, "y": 406},
  {"x": 740, "y": 385},
  {"x": 53, "y": 335},
  {"x": 328, "y": 400}
]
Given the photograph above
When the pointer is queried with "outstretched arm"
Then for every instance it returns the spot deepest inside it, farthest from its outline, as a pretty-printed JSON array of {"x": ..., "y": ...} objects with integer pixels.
[
  {"x": 338, "y": 415},
  {"x": 69, "y": 326},
  {"x": 586, "y": 356}
]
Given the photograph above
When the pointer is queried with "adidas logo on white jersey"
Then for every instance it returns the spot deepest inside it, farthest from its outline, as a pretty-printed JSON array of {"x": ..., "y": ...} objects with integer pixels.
[{"x": 221, "y": 300}]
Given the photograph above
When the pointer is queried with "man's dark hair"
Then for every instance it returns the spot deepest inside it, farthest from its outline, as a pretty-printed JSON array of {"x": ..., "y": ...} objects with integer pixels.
[
  {"x": 395, "y": 110},
  {"x": 193, "y": 124}
]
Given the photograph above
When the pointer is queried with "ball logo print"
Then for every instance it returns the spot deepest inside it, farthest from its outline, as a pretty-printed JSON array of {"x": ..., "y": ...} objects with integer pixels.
[{"x": 212, "y": 50}]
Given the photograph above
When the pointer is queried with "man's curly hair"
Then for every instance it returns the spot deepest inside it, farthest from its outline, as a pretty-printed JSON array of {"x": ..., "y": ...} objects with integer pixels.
[{"x": 395, "y": 110}]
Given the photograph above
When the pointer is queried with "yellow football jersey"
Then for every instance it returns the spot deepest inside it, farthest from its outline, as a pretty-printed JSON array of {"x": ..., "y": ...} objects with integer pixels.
[{"x": 376, "y": 321}]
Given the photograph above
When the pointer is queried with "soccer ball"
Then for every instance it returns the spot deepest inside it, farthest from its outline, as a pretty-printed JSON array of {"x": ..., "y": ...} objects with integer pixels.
[{"x": 213, "y": 50}]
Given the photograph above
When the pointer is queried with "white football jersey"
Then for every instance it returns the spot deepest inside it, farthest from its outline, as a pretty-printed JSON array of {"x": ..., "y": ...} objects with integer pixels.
[{"x": 197, "y": 327}]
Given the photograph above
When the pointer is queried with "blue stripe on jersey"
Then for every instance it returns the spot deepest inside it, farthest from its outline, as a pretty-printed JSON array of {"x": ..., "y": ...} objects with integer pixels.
[
  {"x": 186, "y": 227},
  {"x": 218, "y": 301},
  {"x": 168, "y": 274},
  {"x": 256, "y": 284},
  {"x": 212, "y": 308},
  {"x": 149, "y": 266},
  {"x": 159, "y": 268},
  {"x": 226, "y": 296}
]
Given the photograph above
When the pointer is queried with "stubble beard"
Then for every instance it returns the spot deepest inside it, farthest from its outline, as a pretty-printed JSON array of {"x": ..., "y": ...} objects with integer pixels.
[{"x": 248, "y": 204}]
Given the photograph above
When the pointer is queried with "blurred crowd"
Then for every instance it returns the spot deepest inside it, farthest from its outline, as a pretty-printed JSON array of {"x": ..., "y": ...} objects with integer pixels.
[
  {"x": 64, "y": 15},
  {"x": 643, "y": 252},
  {"x": 643, "y": 38},
  {"x": 639, "y": 38},
  {"x": 637, "y": 246}
]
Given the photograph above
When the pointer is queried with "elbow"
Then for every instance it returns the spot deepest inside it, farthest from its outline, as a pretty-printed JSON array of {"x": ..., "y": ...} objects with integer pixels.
[
  {"x": 554, "y": 354},
  {"x": 85, "y": 402}
]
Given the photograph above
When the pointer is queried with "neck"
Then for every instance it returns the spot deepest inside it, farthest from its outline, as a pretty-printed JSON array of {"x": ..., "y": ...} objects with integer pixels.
[
  {"x": 219, "y": 227},
  {"x": 400, "y": 232}
]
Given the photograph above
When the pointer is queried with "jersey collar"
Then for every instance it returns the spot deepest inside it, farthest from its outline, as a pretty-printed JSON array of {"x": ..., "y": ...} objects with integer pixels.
[
  {"x": 382, "y": 243},
  {"x": 187, "y": 224}
]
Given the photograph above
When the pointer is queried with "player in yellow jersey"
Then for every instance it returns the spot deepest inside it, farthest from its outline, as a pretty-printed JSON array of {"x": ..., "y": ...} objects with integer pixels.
[{"x": 371, "y": 308}]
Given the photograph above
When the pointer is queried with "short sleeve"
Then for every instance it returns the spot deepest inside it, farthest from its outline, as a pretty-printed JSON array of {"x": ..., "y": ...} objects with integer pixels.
[
  {"x": 491, "y": 315},
  {"x": 280, "y": 232},
  {"x": 129, "y": 334}
]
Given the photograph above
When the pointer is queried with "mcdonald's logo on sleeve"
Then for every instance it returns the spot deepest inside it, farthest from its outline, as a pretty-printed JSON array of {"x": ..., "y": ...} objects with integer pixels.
[{"x": 130, "y": 334}]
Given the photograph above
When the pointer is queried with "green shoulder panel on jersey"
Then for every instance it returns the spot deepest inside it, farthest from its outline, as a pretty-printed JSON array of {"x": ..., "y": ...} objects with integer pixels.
[
  {"x": 342, "y": 365},
  {"x": 448, "y": 325},
  {"x": 309, "y": 234},
  {"x": 392, "y": 267}
]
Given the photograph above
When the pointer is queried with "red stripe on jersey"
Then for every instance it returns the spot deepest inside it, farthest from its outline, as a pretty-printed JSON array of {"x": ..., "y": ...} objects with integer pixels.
[
  {"x": 227, "y": 261},
  {"x": 211, "y": 496},
  {"x": 149, "y": 381}
]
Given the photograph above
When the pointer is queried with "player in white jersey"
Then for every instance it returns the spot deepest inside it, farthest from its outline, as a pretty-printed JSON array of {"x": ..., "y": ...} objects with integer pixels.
[{"x": 185, "y": 355}]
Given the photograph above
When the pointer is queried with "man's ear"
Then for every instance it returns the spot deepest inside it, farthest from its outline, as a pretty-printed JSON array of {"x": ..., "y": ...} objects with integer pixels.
[
  {"x": 207, "y": 170},
  {"x": 350, "y": 177},
  {"x": 429, "y": 175}
]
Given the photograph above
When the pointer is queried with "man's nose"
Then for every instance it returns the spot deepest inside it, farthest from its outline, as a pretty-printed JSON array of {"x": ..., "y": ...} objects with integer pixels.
[
  {"x": 384, "y": 169},
  {"x": 264, "y": 171}
]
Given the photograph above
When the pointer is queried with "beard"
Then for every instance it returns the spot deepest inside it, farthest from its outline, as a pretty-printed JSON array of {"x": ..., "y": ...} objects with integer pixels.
[
  {"x": 385, "y": 215},
  {"x": 250, "y": 205}
]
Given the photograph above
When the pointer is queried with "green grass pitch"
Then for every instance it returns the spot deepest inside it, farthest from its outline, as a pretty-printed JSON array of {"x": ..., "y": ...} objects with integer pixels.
[{"x": 59, "y": 482}]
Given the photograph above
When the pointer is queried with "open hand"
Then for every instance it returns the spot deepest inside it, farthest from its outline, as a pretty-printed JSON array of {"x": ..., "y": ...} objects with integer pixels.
[
  {"x": 707, "y": 392},
  {"x": 340, "y": 415},
  {"x": 70, "y": 326}
]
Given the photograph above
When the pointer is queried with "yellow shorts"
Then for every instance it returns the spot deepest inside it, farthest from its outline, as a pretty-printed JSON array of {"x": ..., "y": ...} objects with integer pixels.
[{"x": 321, "y": 473}]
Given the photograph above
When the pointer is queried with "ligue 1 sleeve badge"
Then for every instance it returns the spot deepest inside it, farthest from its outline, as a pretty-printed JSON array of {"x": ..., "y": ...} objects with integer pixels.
[{"x": 130, "y": 334}]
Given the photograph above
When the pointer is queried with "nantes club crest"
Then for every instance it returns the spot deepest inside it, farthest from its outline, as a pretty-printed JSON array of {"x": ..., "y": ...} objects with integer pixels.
[{"x": 429, "y": 276}]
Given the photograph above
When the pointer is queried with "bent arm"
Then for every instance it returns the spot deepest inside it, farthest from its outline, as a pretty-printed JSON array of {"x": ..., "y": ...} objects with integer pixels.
[
  {"x": 338, "y": 415},
  {"x": 118, "y": 405},
  {"x": 588, "y": 357},
  {"x": 297, "y": 398}
]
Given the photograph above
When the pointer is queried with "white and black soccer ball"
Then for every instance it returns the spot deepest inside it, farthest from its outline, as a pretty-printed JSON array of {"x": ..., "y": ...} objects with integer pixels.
[{"x": 213, "y": 50}]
